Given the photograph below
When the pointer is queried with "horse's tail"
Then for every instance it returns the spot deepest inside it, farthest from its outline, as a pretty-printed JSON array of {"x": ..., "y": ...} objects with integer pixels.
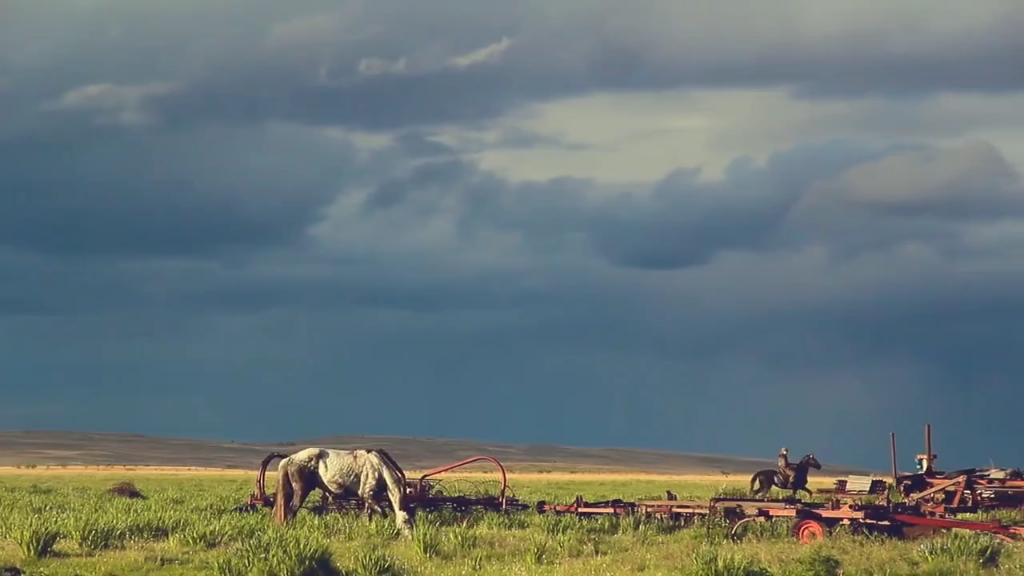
[
  {"x": 394, "y": 477},
  {"x": 285, "y": 493},
  {"x": 763, "y": 479}
]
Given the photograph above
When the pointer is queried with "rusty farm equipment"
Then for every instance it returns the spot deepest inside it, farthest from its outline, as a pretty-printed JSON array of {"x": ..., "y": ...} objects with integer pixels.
[
  {"x": 428, "y": 492},
  {"x": 959, "y": 491},
  {"x": 860, "y": 488},
  {"x": 811, "y": 521},
  {"x": 923, "y": 503},
  {"x": 910, "y": 505}
]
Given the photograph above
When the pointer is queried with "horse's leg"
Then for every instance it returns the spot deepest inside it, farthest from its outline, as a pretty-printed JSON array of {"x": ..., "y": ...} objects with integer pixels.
[
  {"x": 367, "y": 512},
  {"x": 368, "y": 507},
  {"x": 367, "y": 483},
  {"x": 327, "y": 495},
  {"x": 800, "y": 480},
  {"x": 766, "y": 484}
]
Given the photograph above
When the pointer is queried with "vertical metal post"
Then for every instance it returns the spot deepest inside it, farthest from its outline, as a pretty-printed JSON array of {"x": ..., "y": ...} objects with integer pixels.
[
  {"x": 892, "y": 453},
  {"x": 928, "y": 448}
]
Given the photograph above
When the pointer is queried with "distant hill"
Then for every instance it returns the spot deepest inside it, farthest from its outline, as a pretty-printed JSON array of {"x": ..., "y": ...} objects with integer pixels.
[{"x": 41, "y": 448}]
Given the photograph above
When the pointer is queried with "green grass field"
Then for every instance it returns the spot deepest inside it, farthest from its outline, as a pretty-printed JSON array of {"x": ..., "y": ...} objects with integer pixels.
[{"x": 68, "y": 524}]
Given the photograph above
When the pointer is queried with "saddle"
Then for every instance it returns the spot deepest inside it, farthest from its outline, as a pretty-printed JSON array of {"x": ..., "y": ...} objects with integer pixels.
[{"x": 783, "y": 480}]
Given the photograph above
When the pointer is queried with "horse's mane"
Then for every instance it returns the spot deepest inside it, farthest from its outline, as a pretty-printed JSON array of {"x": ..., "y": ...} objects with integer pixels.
[{"x": 391, "y": 461}]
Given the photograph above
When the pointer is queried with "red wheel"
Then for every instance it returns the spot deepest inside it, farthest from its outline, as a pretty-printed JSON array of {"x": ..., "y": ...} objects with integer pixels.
[{"x": 808, "y": 531}]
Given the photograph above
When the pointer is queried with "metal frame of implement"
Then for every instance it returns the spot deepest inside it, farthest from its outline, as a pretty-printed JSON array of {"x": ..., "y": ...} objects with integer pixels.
[
  {"x": 422, "y": 493},
  {"x": 960, "y": 491},
  {"x": 930, "y": 499},
  {"x": 813, "y": 520}
]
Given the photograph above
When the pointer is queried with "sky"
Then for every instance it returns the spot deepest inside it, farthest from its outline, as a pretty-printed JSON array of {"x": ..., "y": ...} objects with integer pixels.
[{"x": 714, "y": 227}]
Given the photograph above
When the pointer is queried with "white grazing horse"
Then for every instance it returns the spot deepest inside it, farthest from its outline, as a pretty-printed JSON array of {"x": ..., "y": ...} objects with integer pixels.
[{"x": 340, "y": 472}]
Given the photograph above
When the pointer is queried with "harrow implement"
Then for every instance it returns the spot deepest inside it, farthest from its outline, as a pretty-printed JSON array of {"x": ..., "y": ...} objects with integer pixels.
[
  {"x": 812, "y": 520},
  {"x": 927, "y": 501}
]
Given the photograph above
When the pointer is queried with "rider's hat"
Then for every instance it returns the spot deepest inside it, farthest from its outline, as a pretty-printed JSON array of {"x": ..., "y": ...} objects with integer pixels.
[{"x": 784, "y": 451}]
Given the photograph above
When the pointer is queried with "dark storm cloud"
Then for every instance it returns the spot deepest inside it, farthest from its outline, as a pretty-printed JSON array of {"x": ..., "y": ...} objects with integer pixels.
[
  {"x": 853, "y": 201},
  {"x": 797, "y": 200},
  {"x": 828, "y": 345},
  {"x": 416, "y": 144},
  {"x": 969, "y": 182},
  {"x": 678, "y": 377},
  {"x": 489, "y": 90},
  {"x": 426, "y": 178},
  {"x": 850, "y": 199},
  {"x": 393, "y": 64},
  {"x": 166, "y": 193},
  {"x": 685, "y": 222},
  {"x": 150, "y": 218}
]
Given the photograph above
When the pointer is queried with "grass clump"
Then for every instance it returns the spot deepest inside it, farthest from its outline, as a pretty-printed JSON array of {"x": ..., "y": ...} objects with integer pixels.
[
  {"x": 537, "y": 551},
  {"x": 92, "y": 535},
  {"x": 200, "y": 537},
  {"x": 816, "y": 562},
  {"x": 375, "y": 562},
  {"x": 428, "y": 541},
  {"x": 462, "y": 541},
  {"x": 712, "y": 560},
  {"x": 35, "y": 537},
  {"x": 967, "y": 549},
  {"x": 278, "y": 554}
]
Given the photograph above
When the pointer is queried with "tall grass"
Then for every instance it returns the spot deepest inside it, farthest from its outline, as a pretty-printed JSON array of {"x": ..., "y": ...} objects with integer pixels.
[{"x": 186, "y": 525}]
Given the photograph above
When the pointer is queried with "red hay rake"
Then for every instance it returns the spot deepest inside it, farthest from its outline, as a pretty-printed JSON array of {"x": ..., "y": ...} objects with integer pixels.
[{"x": 428, "y": 492}]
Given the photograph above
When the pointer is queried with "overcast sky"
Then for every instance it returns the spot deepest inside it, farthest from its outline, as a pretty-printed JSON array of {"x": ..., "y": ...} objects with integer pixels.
[{"x": 719, "y": 227}]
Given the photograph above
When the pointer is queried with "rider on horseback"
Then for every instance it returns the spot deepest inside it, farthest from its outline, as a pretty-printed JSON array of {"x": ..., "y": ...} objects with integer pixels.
[
  {"x": 792, "y": 477},
  {"x": 784, "y": 467}
]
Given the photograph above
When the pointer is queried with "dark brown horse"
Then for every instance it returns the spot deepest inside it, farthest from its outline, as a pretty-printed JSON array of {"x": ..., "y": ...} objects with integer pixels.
[{"x": 768, "y": 478}]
